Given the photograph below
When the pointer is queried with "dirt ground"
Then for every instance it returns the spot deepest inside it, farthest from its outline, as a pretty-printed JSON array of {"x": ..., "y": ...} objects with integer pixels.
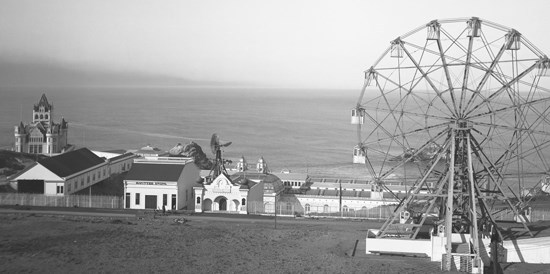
[{"x": 42, "y": 243}]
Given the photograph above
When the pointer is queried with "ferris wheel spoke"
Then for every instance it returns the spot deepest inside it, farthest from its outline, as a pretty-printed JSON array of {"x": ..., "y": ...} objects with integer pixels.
[
  {"x": 428, "y": 79},
  {"x": 379, "y": 126},
  {"x": 408, "y": 133},
  {"x": 410, "y": 113},
  {"x": 394, "y": 110},
  {"x": 466, "y": 74},
  {"x": 513, "y": 107},
  {"x": 503, "y": 88},
  {"x": 447, "y": 73},
  {"x": 511, "y": 128},
  {"x": 409, "y": 93},
  {"x": 488, "y": 73},
  {"x": 511, "y": 151},
  {"x": 490, "y": 168},
  {"x": 417, "y": 152}
]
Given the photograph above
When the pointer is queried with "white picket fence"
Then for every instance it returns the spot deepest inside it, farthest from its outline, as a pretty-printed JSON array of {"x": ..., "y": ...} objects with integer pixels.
[{"x": 23, "y": 199}]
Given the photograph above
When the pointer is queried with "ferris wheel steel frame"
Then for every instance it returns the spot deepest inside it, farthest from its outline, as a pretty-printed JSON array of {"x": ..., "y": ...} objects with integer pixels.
[{"x": 464, "y": 114}]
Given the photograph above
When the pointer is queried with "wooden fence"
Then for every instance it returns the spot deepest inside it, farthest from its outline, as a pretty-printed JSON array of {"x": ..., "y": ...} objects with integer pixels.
[{"x": 23, "y": 199}]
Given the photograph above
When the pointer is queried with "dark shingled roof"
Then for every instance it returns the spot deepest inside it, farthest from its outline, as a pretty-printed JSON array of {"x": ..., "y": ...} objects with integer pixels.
[
  {"x": 71, "y": 162},
  {"x": 155, "y": 172}
]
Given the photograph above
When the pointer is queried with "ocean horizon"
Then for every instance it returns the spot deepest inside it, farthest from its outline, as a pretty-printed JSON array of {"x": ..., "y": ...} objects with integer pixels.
[{"x": 302, "y": 130}]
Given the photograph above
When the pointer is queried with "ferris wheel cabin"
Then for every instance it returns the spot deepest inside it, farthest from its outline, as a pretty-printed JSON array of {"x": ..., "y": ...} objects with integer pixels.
[
  {"x": 357, "y": 116},
  {"x": 358, "y": 155}
]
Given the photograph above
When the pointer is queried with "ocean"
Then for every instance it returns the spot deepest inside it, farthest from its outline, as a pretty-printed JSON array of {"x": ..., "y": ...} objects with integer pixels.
[
  {"x": 304, "y": 131},
  {"x": 299, "y": 130}
]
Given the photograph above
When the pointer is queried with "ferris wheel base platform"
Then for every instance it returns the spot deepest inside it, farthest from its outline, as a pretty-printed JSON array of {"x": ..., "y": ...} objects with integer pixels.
[{"x": 528, "y": 250}]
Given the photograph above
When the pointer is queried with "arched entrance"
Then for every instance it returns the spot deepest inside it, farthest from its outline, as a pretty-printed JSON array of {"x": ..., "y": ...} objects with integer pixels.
[
  {"x": 235, "y": 205},
  {"x": 221, "y": 203},
  {"x": 207, "y": 205}
]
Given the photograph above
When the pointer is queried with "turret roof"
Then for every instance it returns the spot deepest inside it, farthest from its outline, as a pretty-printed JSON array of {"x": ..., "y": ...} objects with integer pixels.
[{"x": 43, "y": 102}]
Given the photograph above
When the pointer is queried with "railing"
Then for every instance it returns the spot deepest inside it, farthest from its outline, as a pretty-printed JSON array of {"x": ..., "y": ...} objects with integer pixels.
[
  {"x": 375, "y": 213},
  {"x": 534, "y": 216},
  {"x": 61, "y": 201},
  {"x": 297, "y": 209}
]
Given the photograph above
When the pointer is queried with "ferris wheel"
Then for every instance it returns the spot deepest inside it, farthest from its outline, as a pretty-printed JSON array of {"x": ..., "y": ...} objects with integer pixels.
[
  {"x": 455, "y": 73},
  {"x": 460, "y": 108}
]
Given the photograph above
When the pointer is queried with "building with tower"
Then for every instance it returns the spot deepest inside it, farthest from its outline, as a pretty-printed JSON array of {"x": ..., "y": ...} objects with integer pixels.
[
  {"x": 241, "y": 192},
  {"x": 43, "y": 135}
]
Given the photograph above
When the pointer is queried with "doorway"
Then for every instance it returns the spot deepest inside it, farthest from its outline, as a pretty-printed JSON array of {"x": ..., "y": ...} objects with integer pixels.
[
  {"x": 223, "y": 204},
  {"x": 151, "y": 201}
]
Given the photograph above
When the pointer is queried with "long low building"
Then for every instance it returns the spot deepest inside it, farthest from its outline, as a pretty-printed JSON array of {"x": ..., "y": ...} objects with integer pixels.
[{"x": 70, "y": 172}]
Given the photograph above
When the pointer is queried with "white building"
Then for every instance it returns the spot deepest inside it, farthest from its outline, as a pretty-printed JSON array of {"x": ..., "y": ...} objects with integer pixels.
[
  {"x": 163, "y": 181},
  {"x": 43, "y": 135},
  {"x": 236, "y": 193},
  {"x": 313, "y": 194},
  {"x": 68, "y": 173}
]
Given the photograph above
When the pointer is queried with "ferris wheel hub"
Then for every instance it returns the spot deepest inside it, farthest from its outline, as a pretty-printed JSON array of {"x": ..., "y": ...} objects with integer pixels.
[{"x": 462, "y": 124}]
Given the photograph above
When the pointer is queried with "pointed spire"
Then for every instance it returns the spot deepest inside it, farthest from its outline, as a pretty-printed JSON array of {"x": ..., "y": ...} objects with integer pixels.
[{"x": 43, "y": 102}]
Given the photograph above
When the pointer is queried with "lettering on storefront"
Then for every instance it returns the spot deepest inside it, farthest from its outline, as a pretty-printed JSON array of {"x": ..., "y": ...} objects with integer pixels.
[{"x": 152, "y": 183}]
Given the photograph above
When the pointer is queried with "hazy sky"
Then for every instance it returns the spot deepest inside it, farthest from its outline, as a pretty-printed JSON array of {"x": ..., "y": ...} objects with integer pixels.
[{"x": 311, "y": 44}]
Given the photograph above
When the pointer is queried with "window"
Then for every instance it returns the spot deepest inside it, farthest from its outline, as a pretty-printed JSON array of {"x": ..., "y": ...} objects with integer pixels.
[
  {"x": 243, "y": 201},
  {"x": 186, "y": 194},
  {"x": 104, "y": 172},
  {"x": 164, "y": 199},
  {"x": 36, "y": 116},
  {"x": 88, "y": 179},
  {"x": 325, "y": 209},
  {"x": 199, "y": 200},
  {"x": 69, "y": 186},
  {"x": 137, "y": 198},
  {"x": 174, "y": 201},
  {"x": 308, "y": 208},
  {"x": 46, "y": 116},
  {"x": 345, "y": 208},
  {"x": 93, "y": 177},
  {"x": 41, "y": 116},
  {"x": 59, "y": 189}
]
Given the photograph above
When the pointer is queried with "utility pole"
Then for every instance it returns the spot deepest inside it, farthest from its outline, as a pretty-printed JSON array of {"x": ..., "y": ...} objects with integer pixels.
[
  {"x": 275, "y": 219},
  {"x": 341, "y": 212}
]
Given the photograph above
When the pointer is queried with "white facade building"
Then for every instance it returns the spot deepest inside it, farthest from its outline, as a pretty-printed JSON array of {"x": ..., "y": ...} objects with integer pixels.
[
  {"x": 161, "y": 182},
  {"x": 236, "y": 192},
  {"x": 43, "y": 135}
]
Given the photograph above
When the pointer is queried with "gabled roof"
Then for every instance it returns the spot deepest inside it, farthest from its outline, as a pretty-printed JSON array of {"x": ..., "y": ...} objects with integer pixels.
[
  {"x": 71, "y": 162},
  {"x": 43, "y": 102},
  {"x": 155, "y": 172}
]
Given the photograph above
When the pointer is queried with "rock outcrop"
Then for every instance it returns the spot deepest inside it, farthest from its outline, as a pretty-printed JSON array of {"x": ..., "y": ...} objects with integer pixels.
[{"x": 194, "y": 151}]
